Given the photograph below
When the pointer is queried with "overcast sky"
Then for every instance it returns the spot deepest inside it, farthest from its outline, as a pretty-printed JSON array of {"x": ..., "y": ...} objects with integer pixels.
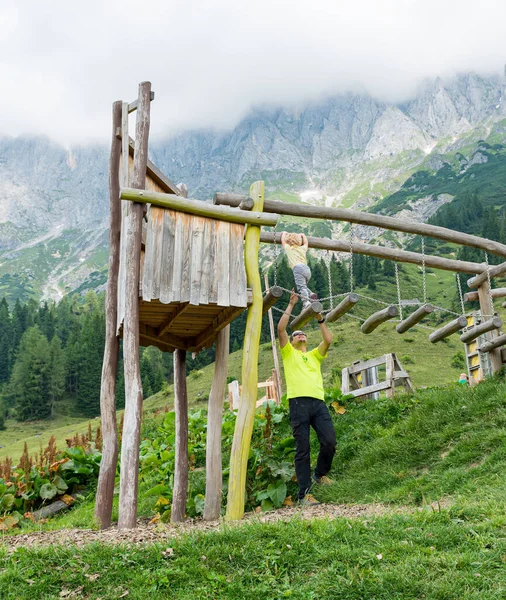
[{"x": 62, "y": 62}]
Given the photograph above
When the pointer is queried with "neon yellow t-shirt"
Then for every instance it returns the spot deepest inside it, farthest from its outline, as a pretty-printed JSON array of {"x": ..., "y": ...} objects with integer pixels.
[
  {"x": 296, "y": 255},
  {"x": 303, "y": 372}
]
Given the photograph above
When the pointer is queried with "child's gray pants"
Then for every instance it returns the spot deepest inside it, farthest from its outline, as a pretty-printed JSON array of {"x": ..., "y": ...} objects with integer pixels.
[{"x": 301, "y": 275}]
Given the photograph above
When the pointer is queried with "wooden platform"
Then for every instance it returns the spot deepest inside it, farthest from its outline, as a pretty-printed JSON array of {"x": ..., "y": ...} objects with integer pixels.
[{"x": 185, "y": 326}]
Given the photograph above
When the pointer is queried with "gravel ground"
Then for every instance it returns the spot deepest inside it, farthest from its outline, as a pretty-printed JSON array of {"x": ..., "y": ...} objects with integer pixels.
[{"x": 148, "y": 532}]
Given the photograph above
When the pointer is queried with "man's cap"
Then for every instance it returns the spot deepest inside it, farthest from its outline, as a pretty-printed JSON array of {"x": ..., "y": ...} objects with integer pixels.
[{"x": 297, "y": 333}]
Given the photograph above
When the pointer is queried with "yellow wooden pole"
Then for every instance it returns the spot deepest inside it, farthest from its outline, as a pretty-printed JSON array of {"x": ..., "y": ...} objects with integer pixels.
[{"x": 246, "y": 414}]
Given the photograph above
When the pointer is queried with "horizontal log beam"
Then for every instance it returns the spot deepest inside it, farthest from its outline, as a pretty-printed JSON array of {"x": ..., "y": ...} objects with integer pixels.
[
  {"x": 496, "y": 293},
  {"x": 414, "y": 318},
  {"x": 150, "y": 333},
  {"x": 495, "y": 271},
  {"x": 448, "y": 329},
  {"x": 271, "y": 297},
  {"x": 197, "y": 207},
  {"x": 436, "y": 262},
  {"x": 308, "y": 313},
  {"x": 370, "y": 389},
  {"x": 363, "y": 218},
  {"x": 477, "y": 330},
  {"x": 497, "y": 342},
  {"x": 342, "y": 308},
  {"x": 377, "y": 318}
]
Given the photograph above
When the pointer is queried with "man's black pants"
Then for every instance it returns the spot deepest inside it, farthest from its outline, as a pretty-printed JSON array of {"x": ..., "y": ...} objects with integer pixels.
[{"x": 306, "y": 412}]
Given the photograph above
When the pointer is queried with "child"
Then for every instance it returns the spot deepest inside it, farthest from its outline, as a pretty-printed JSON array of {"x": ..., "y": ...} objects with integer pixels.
[
  {"x": 463, "y": 379},
  {"x": 295, "y": 246}
]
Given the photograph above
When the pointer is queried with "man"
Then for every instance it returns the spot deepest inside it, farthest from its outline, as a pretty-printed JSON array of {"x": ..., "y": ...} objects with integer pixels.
[{"x": 306, "y": 398}]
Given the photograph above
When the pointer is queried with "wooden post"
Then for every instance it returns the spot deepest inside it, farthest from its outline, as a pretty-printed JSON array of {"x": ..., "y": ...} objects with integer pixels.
[
  {"x": 271, "y": 297},
  {"x": 133, "y": 386},
  {"x": 214, "y": 478},
  {"x": 181, "y": 466},
  {"x": 370, "y": 324},
  {"x": 487, "y": 313},
  {"x": 342, "y": 308},
  {"x": 107, "y": 475},
  {"x": 414, "y": 318},
  {"x": 306, "y": 314},
  {"x": 246, "y": 414},
  {"x": 447, "y": 330},
  {"x": 275, "y": 290}
]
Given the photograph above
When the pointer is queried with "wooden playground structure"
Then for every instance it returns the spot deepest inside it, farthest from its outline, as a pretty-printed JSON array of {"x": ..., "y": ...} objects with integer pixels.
[{"x": 180, "y": 270}]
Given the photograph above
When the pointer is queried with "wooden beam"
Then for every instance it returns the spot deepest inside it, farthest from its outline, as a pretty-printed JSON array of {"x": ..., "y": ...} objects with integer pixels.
[
  {"x": 496, "y": 293},
  {"x": 342, "y": 308},
  {"x": 197, "y": 207},
  {"x": 150, "y": 333},
  {"x": 135, "y": 104},
  {"x": 436, "y": 262},
  {"x": 155, "y": 174},
  {"x": 133, "y": 386},
  {"x": 370, "y": 324},
  {"x": 271, "y": 297},
  {"x": 214, "y": 475},
  {"x": 163, "y": 346},
  {"x": 497, "y": 342},
  {"x": 219, "y": 322},
  {"x": 245, "y": 417},
  {"x": 494, "y": 271},
  {"x": 306, "y": 314},
  {"x": 165, "y": 326},
  {"x": 108, "y": 463},
  {"x": 363, "y": 218},
  {"x": 448, "y": 329},
  {"x": 483, "y": 327},
  {"x": 414, "y": 318},
  {"x": 371, "y": 389},
  {"x": 181, "y": 461}
]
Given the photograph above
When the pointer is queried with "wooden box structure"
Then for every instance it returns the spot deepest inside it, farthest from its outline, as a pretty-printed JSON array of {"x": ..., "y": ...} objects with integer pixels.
[{"x": 361, "y": 378}]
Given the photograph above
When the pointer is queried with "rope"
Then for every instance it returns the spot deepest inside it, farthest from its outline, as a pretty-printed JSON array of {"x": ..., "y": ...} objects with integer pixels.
[
  {"x": 328, "y": 259},
  {"x": 460, "y": 294},
  {"x": 276, "y": 255},
  {"x": 424, "y": 277},
  {"x": 489, "y": 287},
  {"x": 398, "y": 290}
]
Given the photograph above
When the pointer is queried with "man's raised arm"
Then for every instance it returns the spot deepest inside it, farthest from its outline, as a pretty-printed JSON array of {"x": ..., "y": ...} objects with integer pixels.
[
  {"x": 283, "y": 322},
  {"x": 326, "y": 335}
]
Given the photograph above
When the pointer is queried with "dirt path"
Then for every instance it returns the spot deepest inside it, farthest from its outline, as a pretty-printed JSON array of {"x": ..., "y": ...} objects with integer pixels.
[{"x": 147, "y": 532}]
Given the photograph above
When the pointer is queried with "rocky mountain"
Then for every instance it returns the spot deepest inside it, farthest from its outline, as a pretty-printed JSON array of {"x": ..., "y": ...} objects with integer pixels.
[{"x": 351, "y": 149}]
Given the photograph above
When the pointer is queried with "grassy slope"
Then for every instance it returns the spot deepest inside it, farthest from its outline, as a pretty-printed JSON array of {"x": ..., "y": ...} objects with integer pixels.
[{"x": 442, "y": 444}]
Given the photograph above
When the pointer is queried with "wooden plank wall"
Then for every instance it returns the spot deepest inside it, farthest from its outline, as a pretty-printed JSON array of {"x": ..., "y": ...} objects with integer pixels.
[{"x": 193, "y": 259}]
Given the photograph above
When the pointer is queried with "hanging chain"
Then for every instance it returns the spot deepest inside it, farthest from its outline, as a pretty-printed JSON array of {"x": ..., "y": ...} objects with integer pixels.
[
  {"x": 489, "y": 285},
  {"x": 328, "y": 260},
  {"x": 351, "y": 258},
  {"x": 275, "y": 265},
  {"x": 457, "y": 275},
  {"x": 424, "y": 275},
  {"x": 398, "y": 289}
]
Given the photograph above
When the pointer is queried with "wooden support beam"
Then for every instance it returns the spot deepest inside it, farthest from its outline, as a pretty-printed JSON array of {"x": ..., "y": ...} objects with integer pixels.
[
  {"x": 165, "y": 326},
  {"x": 448, "y": 329},
  {"x": 306, "y": 314},
  {"x": 436, "y": 262},
  {"x": 181, "y": 461},
  {"x": 363, "y": 218},
  {"x": 497, "y": 342},
  {"x": 342, "y": 308},
  {"x": 271, "y": 297},
  {"x": 135, "y": 104},
  {"x": 161, "y": 345},
  {"x": 151, "y": 334},
  {"x": 370, "y": 324},
  {"x": 483, "y": 327},
  {"x": 487, "y": 314},
  {"x": 496, "y": 293},
  {"x": 133, "y": 385},
  {"x": 214, "y": 476},
  {"x": 154, "y": 173},
  {"x": 219, "y": 322},
  {"x": 199, "y": 208},
  {"x": 108, "y": 463},
  {"x": 246, "y": 414},
  {"x": 494, "y": 271},
  {"x": 414, "y": 318}
]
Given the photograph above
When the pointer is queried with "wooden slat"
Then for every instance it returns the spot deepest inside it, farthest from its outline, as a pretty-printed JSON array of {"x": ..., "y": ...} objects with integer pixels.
[
  {"x": 366, "y": 364},
  {"x": 197, "y": 259},
  {"x": 207, "y": 260},
  {"x": 237, "y": 277},
  {"x": 213, "y": 257},
  {"x": 164, "y": 328},
  {"x": 222, "y": 262},
  {"x": 187, "y": 257},
  {"x": 179, "y": 236},
  {"x": 151, "y": 270},
  {"x": 167, "y": 256},
  {"x": 377, "y": 387}
]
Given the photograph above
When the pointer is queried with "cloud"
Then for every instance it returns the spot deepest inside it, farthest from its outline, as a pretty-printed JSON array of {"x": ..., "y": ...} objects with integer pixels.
[{"x": 62, "y": 64}]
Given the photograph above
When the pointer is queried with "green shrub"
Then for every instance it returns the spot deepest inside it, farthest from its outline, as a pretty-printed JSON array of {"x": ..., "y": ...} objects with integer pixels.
[
  {"x": 458, "y": 360},
  {"x": 407, "y": 359}
]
